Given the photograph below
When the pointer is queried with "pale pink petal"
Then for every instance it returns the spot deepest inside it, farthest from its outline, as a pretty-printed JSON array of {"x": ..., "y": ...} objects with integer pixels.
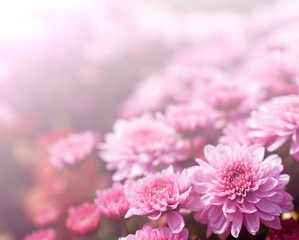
[{"x": 175, "y": 222}]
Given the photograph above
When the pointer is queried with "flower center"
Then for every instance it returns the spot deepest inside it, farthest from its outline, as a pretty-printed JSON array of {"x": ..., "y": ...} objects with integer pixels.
[
  {"x": 236, "y": 178},
  {"x": 146, "y": 135},
  {"x": 159, "y": 190}
]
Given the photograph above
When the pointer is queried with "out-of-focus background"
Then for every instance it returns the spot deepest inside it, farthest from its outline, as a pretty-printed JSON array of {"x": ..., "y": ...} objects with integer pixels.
[{"x": 69, "y": 64}]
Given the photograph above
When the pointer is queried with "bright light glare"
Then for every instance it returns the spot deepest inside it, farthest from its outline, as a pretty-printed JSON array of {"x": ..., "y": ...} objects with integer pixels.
[{"x": 22, "y": 19}]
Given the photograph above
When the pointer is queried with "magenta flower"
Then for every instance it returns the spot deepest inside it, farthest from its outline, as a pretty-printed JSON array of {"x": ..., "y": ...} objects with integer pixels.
[
  {"x": 289, "y": 231},
  {"x": 159, "y": 193},
  {"x": 161, "y": 233},
  {"x": 73, "y": 148},
  {"x": 275, "y": 122},
  {"x": 84, "y": 219},
  {"x": 139, "y": 145},
  {"x": 112, "y": 202},
  {"x": 236, "y": 185},
  {"x": 45, "y": 234}
]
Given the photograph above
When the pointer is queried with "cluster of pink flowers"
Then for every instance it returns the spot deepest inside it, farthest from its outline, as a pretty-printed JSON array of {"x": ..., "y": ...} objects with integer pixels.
[{"x": 207, "y": 146}]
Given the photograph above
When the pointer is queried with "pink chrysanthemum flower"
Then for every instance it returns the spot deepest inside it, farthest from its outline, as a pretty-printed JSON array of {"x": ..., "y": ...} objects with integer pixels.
[
  {"x": 46, "y": 234},
  {"x": 45, "y": 215},
  {"x": 84, "y": 219},
  {"x": 161, "y": 233},
  {"x": 139, "y": 145},
  {"x": 192, "y": 117},
  {"x": 112, "y": 202},
  {"x": 236, "y": 185},
  {"x": 275, "y": 122},
  {"x": 159, "y": 193},
  {"x": 73, "y": 148},
  {"x": 234, "y": 99}
]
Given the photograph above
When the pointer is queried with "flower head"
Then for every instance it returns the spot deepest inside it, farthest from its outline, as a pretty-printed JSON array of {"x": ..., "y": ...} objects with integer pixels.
[
  {"x": 159, "y": 193},
  {"x": 72, "y": 149},
  {"x": 191, "y": 117},
  {"x": 236, "y": 185},
  {"x": 83, "y": 219},
  {"x": 233, "y": 98},
  {"x": 46, "y": 234},
  {"x": 161, "y": 233},
  {"x": 112, "y": 202},
  {"x": 138, "y": 145},
  {"x": 276, "y": 121},
  {"x": 289, "y": 231}
]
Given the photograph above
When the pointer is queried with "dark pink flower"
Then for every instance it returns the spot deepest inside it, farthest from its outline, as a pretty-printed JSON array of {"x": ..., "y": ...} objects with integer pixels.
[
  {"x": 137, "y": 146},
  {"x": 47, "y": 234},
  {"x": 159, "y": 193},
  {"x": 236, "y": 186},
  {"x": 275, "y": 122},
  {"x": 83, "y": 219},
  {"x": 112, "y": 202},
  {"x": 289, "y": 231},
  {"x": 72, "y": 148},
  {"x": 161, "y": 233}
]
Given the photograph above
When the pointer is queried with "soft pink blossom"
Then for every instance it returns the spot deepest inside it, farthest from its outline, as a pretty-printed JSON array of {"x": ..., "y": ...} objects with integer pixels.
[
  {"x": 276, "y": 73},
  {"x": 275, "y": 122},
  {"x": 233, "y": 98},
  {"x": 161, "y": 233},
  {"x": 72, "y": 149},
  {"x": 112, "y": 202},
  {"x": 139, "y": 145},
  {"x": 192, "y": 117},
  {"x": 83, "y": 219},
  {"x": 183, "y": 79},
  {"x": 46, "y": 234},
  {"x": 237, "y": 186},
  {"x": 45, "y": 215},
  {"x": 158, "y": 194}
]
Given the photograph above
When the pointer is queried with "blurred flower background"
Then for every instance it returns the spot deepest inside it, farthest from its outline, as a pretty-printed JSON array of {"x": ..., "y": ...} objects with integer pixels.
[{"x": 67, "y": 72}]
